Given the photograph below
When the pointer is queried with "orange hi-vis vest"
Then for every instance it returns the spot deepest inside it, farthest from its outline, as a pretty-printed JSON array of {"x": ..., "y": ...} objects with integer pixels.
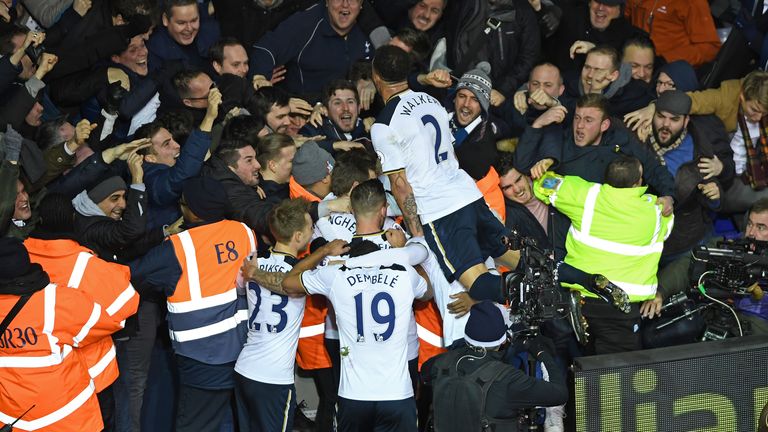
[
  {"x": 489, "y": 187},
  {"x": 69, "y": 264},
  {"x": 311, "y": 353},
  {"x": 206, "y": 316},
  {"x": 39, "y": 365},
  {"x": 429, "y": 329}
]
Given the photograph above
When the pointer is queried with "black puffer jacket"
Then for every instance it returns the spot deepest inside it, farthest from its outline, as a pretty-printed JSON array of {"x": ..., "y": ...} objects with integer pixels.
[{"x": 512, "y": 49}]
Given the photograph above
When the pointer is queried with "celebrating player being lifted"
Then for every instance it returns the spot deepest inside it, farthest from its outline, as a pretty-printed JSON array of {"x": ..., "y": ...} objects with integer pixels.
[{"x": 439, "y": 200}]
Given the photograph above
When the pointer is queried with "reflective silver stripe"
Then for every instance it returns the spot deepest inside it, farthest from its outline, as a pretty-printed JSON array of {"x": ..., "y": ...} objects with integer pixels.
[
  {"x": 211, "y": 329},
  {"x": 49, "y": 309},
  {"x": 55, "y": 416},
  {"x": 613, "y": 247},
  {"x": 78, "y": 271},
  {"x": 589, "y": 208},
  {"x": 193, "y": 276},
  {"x": 312, "y": 330},
  {"x": 92, "y": 320},
  {"x": 636, "y": 289},
  {"x": 121, "y": 300},
  {"x": 251, "y": 239},
  {"x": 428, "y": 337},
  {"x": 203, "y": 303},
  {"x": 657, "y": 229},
  {"x": 286, "y": 410},
  {"x": 103, "y": 362},
  {"x": 35, "y": 362}
]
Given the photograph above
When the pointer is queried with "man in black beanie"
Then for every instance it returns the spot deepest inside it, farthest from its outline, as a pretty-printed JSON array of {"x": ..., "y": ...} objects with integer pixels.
[
  {"x": 197, "y": 270},
  {"x": 512, "y": 390}
]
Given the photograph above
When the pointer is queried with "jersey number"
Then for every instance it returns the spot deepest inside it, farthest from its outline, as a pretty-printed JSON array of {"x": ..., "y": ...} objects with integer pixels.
[
  {"x": 276, "y": 308},
  {"x": 439, "y": 157},
  {"x": 388, "y": 318}
]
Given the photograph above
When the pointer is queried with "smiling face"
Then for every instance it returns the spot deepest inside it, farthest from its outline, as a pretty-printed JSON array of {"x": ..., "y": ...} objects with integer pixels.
[
  {"x": 114, "y": 205},
  {"x": 598, "y": 73},
  {"x": 235, "y": 61},
  {"x": 343, "y": 14},
  {"x": 247, "y": 167},
  {"x": 183, "y": 24},
  {"x": 601, "y": 15},
  {"x": 516, "y": 187},
  {"x": 343, "y": 109},
  {"x": 135, "y": 56},
  {"x": 641, "y": 59},
  {"x": 467, "y": 107},
  {"x": 426, "y": 13},
  {"x": 165, "y": 150},
  {"x": 667, "y": 126},
  {"x": 278, "y": 119},
  {"x": 21, "y": 209}
]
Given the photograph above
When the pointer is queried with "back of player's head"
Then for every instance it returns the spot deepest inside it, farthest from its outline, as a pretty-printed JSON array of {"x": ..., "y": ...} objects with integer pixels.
[
  {"x": 350, "y": 169},
  {"x": 624, "y": 172},
  {"x": 392, "y": 64},
  {"x": 362, "y": 248},
  {"x": 287, "y": 218},
  {"x": 368, "y": 197},
  {"x": 270, "y": 147}
]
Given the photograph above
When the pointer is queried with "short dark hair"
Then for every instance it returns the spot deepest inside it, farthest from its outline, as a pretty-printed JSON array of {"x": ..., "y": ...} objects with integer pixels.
[
  {"x": 367, "y": 197},
  {"x": 623, "y": 172},
  {"x": 759, "y": 206},
  {"x": 639, "y": 41},
  {"x": 360, "y": 157},
  {"x": 182, "y": 80},
  {"x": 392, "y": 64},
  {"x": 288, "y": 217},
  {"x": 608, "y": 51},
  {"x": 129, "y": 8},
  {"x": 417, "y": 40},
  {"x": 345, "y": 174},
  {"x": 228, "y": 152},
  {"x": 6, "y": 42},
  {"x": 170, "y": 4},
  {"x": 268, "y": 148},
  {"x": 505, "y": 163},
  {"x": 362, "y": 248},
  {"x": 338, "y": 84},
  {"x": 244, "y": 127},
  {"x": 148, "y": 130},
  {"x": 179, "y": 123},
  {"x": 594, "y": 100},
  {"x": 262, "y": 100},
  {"x": 216, "y": 52}
]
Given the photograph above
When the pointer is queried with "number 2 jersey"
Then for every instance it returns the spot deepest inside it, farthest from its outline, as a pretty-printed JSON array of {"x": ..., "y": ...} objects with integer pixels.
[
  {"x": 274, "y": 322},
  {"x": 412, "y": 133},
  {"x": 374, "y": 307}
]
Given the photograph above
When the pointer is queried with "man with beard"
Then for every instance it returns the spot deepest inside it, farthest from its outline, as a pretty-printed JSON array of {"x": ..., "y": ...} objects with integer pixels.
[
  {"x": 343, "y": 129},
  {"x": 273, "y": 104},
  {"x": 585, "y": 150}
]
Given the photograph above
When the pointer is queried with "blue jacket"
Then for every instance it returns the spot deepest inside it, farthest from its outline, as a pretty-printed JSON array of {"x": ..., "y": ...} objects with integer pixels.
[
  {"x": 163, "y": 48},
  {"x": 164, "y": 183},
  {"x": 311, "y": 50},
  {"x": 333, "y": 134}
]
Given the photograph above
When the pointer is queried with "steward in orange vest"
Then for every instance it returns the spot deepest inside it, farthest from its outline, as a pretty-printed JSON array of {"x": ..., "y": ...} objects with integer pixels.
[
  {"x": 197, "y": 269},
  {"x": 39, "y": 364}
]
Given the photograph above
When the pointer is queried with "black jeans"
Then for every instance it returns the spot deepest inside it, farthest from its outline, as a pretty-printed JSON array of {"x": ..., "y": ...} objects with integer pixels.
[{"x": 610, "y": 330}]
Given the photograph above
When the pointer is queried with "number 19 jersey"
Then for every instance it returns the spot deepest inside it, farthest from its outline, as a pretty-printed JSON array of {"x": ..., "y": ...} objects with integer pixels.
[
  {"x": 412, "y": 133},
  {"x": 373, "y": 306},
  {"x": 274, "y": 322}
]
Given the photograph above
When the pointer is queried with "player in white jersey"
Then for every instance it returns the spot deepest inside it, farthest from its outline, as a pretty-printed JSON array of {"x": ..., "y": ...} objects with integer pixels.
[
  {"x": 439, "y": 201},
  {"x": 373, "y": 306},
  {"x": 264, "y": 377}
]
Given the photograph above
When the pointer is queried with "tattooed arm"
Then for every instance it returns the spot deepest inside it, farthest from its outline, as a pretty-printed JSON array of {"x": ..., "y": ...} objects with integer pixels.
[
  {"x": 290, "y": 283},
  {"x": 403, "y": 194}
]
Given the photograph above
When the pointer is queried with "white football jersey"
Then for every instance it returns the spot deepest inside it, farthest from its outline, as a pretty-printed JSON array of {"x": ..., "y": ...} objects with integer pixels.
[
  {"x": 412, "y": 133},
  {"x": 373, "y": 307},
  {"x": 274, "y": 322}
]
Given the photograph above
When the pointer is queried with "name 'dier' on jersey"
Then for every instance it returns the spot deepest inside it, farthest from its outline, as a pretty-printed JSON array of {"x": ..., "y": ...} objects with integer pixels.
[{"x": 412, "y": 133}]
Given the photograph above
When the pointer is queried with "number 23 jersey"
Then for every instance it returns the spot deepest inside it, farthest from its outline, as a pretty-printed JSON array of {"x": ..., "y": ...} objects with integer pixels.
[
  {"x": 412, "y": 133},
  {"x": 274, "y": 322},
  {"x": 374, "y": 307}
]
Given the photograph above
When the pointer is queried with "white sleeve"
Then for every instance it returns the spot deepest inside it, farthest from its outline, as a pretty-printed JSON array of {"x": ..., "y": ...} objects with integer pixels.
[
  {"x": 412, "y": 254},
  {"x": 419, "y": 284},
  {"x": 319, "y": 281},
  {"x": 386, "y": 142}
]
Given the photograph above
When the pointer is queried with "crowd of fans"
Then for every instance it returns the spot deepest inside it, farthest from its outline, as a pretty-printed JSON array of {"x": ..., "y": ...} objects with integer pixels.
[{"x": 126, "y": 125}]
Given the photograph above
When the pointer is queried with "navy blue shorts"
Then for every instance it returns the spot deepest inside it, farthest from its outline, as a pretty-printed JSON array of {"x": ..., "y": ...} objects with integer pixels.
[
  {"x": 263, "y": 407},
  {"x": 465, "y": 238},
  {"x": 377, "y": 416}
]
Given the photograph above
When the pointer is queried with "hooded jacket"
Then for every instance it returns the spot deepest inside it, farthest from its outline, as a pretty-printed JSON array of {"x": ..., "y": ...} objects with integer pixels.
[{"x": 624, "y": 95}]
